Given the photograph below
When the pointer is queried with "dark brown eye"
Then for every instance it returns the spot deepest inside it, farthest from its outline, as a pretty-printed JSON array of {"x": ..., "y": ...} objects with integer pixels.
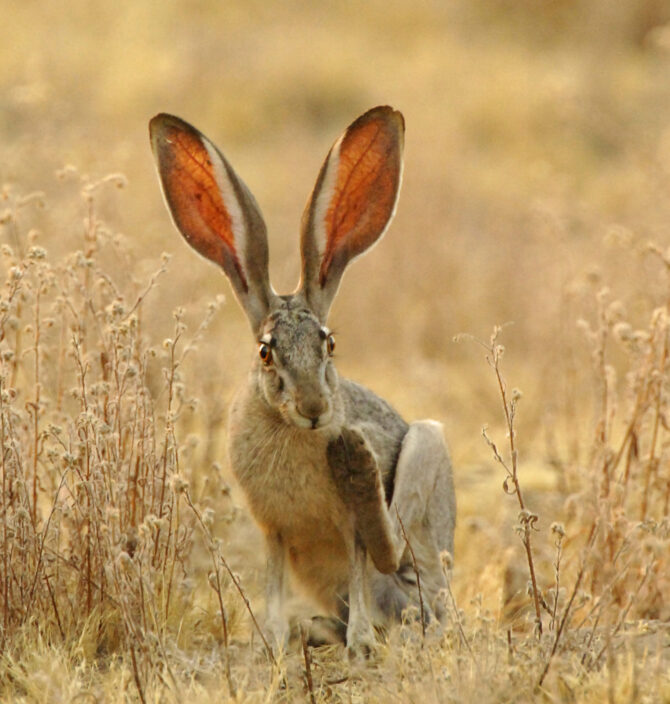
[
  {"x": 265, "y": 353},
  {"x": 330, "y": 344}
]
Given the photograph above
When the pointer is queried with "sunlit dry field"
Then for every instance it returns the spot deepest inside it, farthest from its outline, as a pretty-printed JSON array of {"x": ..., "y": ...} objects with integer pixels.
[{"x": 536, "y": 199}]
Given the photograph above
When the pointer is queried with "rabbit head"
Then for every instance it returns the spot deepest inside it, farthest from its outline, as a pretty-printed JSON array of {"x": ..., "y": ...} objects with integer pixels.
[{"x": 349, "y": 209}]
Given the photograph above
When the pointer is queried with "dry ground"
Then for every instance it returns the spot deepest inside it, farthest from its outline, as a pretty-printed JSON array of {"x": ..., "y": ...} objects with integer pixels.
[{"x": 535, "y": 196}]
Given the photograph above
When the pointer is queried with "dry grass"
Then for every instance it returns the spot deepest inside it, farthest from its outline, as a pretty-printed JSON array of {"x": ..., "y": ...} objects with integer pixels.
[{"x": 538, "y": 173}]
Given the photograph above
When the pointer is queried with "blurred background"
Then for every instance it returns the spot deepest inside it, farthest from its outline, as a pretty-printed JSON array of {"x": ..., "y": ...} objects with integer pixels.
[{"x": 537, "y": 171}]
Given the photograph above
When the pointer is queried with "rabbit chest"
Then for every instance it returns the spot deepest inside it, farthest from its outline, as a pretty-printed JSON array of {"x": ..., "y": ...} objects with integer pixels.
[
  {"x": 285, "y": 476},
  {"x": 291, "y": 493},
  {"x": 287, "y": 481}
]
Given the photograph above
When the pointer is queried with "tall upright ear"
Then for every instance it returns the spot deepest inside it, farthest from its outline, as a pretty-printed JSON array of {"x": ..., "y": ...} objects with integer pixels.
[
  {"x": 214, "y": 210},
  {"x": 352, "y": 203}
]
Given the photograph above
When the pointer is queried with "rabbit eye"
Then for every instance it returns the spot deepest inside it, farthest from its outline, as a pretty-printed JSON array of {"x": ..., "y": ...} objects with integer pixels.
[
  {"x": 265, "y": 353},
  {"x": 330, "y": 344}
]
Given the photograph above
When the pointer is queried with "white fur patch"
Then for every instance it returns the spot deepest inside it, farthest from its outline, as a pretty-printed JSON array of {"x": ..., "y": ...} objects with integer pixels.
[
  {"x": 233, "y": 206},
  {"x": 325, "y": 197}
]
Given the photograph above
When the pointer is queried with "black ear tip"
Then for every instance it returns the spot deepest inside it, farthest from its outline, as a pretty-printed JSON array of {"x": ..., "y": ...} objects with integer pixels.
[
  {"x": 163, "y": 121},
  {"x": 159, "y": 124},
  {"x": 382, "y": 112},
  {"x": 159, "y": 120}
]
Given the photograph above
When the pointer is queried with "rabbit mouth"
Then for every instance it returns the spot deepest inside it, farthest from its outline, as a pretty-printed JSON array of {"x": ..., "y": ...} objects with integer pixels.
[{"x": 315, "y": 422}]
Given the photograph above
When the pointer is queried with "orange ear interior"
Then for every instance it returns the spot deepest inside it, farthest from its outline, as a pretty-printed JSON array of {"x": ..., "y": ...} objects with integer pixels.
[
  {"x": 365, "y": 190},
  {"x": 193, "y": 194}
]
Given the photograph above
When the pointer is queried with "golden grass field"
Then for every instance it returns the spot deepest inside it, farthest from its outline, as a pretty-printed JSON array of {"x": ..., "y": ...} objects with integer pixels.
[{"x": 536, "y": 197}]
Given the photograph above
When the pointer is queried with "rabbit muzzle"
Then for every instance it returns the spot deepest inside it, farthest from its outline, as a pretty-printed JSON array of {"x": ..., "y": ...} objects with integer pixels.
[{"x": 311, "y": 410}]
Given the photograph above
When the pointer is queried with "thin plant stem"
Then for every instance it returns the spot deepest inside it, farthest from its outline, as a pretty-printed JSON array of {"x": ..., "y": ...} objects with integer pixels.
[
  {"x": 494, "y": 352},
  {"x": 220, "y": 558},
  {"x": 415, "y": 566},
  {"x": 308, "y": 664}
]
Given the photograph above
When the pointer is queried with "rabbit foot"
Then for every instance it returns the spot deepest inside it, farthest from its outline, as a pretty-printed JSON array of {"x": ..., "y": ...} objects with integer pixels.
[{"x": 358, "y": 480}]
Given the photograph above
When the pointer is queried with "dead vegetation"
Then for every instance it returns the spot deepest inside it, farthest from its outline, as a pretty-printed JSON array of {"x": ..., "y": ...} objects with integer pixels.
[{"x": 538, "y": 166}]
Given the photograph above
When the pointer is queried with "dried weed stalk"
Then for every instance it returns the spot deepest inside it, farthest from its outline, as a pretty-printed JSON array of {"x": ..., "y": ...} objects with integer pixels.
[
  {"x": 92, "y": 541},
  {"x": 511, "y": 484},
  {"x": 626, "y": 492}
]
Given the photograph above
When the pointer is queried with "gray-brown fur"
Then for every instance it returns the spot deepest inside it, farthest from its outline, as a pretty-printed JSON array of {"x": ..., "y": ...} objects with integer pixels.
[
  {"x": 326, "y": 465},
  {"x": 359, "y": 484},
  {"x": 365, "y": 410}
]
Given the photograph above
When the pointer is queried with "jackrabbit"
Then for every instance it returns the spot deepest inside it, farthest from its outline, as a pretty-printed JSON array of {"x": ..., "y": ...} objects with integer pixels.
[{"x": 327, "y": 466}]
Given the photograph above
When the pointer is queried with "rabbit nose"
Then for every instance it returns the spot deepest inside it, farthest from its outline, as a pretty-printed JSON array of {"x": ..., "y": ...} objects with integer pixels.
[{"x": 313, "y": 409}]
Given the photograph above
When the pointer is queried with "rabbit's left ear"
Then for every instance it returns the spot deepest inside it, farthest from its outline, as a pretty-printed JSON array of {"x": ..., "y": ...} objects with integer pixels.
[{"x": 352, "y": 203}]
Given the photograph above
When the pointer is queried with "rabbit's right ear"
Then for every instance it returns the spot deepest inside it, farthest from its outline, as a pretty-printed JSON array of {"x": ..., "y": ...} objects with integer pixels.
[
  {"x": 214, "y": 210},
  {"x": 352, "y": 203}
]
